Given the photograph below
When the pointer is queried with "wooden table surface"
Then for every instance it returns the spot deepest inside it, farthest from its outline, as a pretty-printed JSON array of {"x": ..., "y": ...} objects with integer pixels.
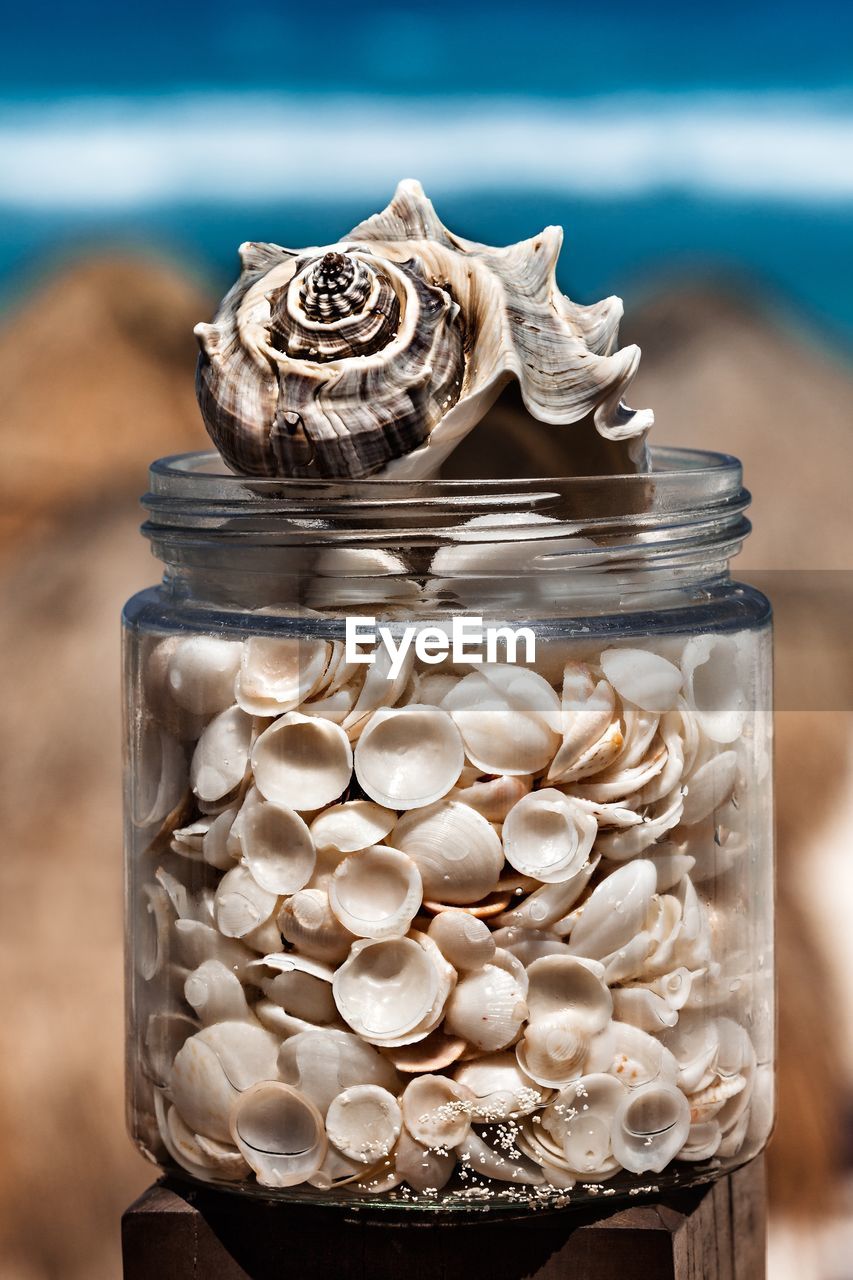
[{"x": 716, "y": 1232}]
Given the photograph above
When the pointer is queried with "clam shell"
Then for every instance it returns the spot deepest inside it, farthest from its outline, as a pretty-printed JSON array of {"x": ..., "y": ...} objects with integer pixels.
[
  {"x": 409, "y": 757},
  {"x": 434, "y": 1053},
  {"x": 548, "y": 904},
  {"x": 709, "y": 787},
  {"x": 376, "y": 893},
  {"x": 650, "y": 1127},
  {"x": 713, "y": 685},
  {"x": 276, "y": 675},
  {"x": 548, "y": 837},
  {"x": 216, "y": 994},
  {"x": 580, "y": 1119},
  {"x": 494, "y": 798},
  {"x": 301, "y": 762},
  {"x": 509, "y": 718},
  {"x": 560, "y": 982},
  {"x": 186, "y": 1150},
  {"x": 276, "y": 844},
  {"x": 165, "y": 1032},
  {"x": 323, "y": 1062},
  {"x": 218, "y": 848},
  {"x": 351, "y": 826},
  {"x": 201, "y": 672},
  {"x": 161, "y": 779},
  {"x": 640, "y": 1058},
  {"x": 587, "y": 711},
  {"x": 406, "y": 333},
  {"x": 618, "y": 846},
  {"x": 641, "y": 677},
  {"x": 213, "y": 1067},
  {"x": 456, "y": 850},
  {"x": 364, "y": 1122},
  {"x": 499, "y": 1087},
  {"x": 279, "y": 1132},
  {"x": 497, "y": 1162},
  {"x": 221, "y": 755},
  {"x": 307, "y": 921},
  {"x": 643, "y": 1008},
  {"x": 464, "y": 941},
  {"x": 197, "y": 942},
  {"x": 425, "y": 1169},
  {"x": 303, "y": 990},
  {"x": 486, "y": 1008},
  {"x": 557, "y": 1047},
  {"x": 436, "y": 1111},
  {"x": 386, "y": 989},
  {"x": 241, "y": 904},
  {"x": 379, "y": 688}
]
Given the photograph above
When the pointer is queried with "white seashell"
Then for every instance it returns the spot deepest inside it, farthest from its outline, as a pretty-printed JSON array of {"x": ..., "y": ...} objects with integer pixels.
[
  {"x": 618, "y": 846},
  {"x": 216, "y": 994},
  {"x": 639, "y": 1059},
  {"x": 434, "y": 686},
  {"x": 486, "y": 1008},
  {"x": 436, "y": 1111},
  {"x": 221, "y": 755},
  {"x": 528, "y": 945},
  {"x": 499, "y": 1086},
  {"x": 703, "y": 1141},
  {"x": 216, "y": 1064},
  {"x": 616, "y": 910},
  {"x": 464, "y": 941},
  {"x": 599, "y": 756},
  {"x": 409, "y": 757},
  {"x": 695, "y": 1043},
  {"x": 155, "y": 922},
  {"x": 671, "y": 865},
  {"x": 240, "y": 904},
  {"x": 307, "y": 921},
  {"x": 161, "y": 777},
  {"x": 713, "y": 685},
  {"x": 509, "y": 718},
  {"x": 709, "y": 787},
  {"x": 387, "y": 989},
  {"x": 424, "y": 1169},
  {"x": 334, "y": 706},
  {"x": 650, "y": 1127},
  {"x": 214, "y": 1161},
  {"x": 355, "y": 825},
  {"x": 558, "y": 1047},
  {"x": 435, "y": 1052},
  {"x": 618, "y": 783},
  {"x": 364, "y": 1122},
  {"x": 165, "y": 1033},
  {"x": 456, "y": 850},
  {"x": 276, "y": 675},
  {"x": 643, "y": 1008},
  {"x": 279, "y": 1132},
  {"x": 587, "y": 711},
  {"x": 548, "y": 837},
  {"x": 376, "y": 893},
  {"x": 379, "y": 688},
  {"x": 303, "y": 992},
  {"x": 337, "y": 1170},
  {"x": 561, "y": 982},
  {"x": 197, "y": 942},
  {"x": 494, "y": 798},
  {"x": 503, "y": 1165},
  {"x": 580, "y": 1119},
  {"x": 642, "y": 677},
  {"x": 548, "y": 904},
  {"x": 276, "y": 845},
  {"x": 322, "y": 1062},
  {"x": 302, "y": 762},
  {"x": 189, "y": 841},
  {"x": 218, "y": 848},
  {"x": 640, "y": 729},
  {"x": 406, "y": 333},
  {"x": 200, "y": 673},
  {"x": 276, "y": 1019}
]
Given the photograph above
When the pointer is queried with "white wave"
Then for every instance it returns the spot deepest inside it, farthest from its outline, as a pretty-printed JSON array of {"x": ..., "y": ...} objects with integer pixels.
[{"x": 114, "y": 154}]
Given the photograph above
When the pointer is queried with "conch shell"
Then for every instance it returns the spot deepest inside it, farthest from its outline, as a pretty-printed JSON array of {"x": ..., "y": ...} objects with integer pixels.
[{"x": 379, "y": 353}]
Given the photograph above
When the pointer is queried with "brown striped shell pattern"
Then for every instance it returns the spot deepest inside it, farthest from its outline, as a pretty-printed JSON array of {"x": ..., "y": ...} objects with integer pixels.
[{"x": 376, "y": 355}]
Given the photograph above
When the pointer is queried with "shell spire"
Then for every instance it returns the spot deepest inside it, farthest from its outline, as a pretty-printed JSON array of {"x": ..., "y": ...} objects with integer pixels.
[{"x": 378, "y": 354}]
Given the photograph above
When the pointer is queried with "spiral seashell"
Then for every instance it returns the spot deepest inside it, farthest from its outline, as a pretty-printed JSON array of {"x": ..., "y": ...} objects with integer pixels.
[{"x": 389, "y": 346}]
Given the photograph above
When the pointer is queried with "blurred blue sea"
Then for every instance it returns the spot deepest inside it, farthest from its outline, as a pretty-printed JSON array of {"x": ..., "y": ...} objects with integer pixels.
[{"x": 671, "y": 142}]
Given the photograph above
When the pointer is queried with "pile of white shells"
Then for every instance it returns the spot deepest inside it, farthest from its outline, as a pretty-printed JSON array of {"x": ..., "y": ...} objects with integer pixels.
[{"x": 396, "y": 930}]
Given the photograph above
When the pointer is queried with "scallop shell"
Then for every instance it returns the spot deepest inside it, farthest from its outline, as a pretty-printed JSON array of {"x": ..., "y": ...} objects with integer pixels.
[
  {"x": 650, "y": 1127},
  {"x": 509, "y": 718},
  {"x": 455, "y": 849},
  {"x": 409, "y": 757},
  {"x": 279, "y": 1132},
  {"x": 302, "y": 762},
  {"x": 548, "y": 837},
  {"x": 560, "y": 982},
  {"x": 436, "y": 1111},
  {"x": 376, "y": 893},
  {"x": 364, "y": 1122},
  {"x": 393, "y": 343}
]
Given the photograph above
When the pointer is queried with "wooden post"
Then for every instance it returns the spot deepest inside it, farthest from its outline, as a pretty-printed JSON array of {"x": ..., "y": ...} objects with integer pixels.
[{"x": 710, "y": 1233}]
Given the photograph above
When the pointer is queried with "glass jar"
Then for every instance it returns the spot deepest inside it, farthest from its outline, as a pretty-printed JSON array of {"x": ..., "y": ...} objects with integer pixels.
[{"x": 449, "y": 837}]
